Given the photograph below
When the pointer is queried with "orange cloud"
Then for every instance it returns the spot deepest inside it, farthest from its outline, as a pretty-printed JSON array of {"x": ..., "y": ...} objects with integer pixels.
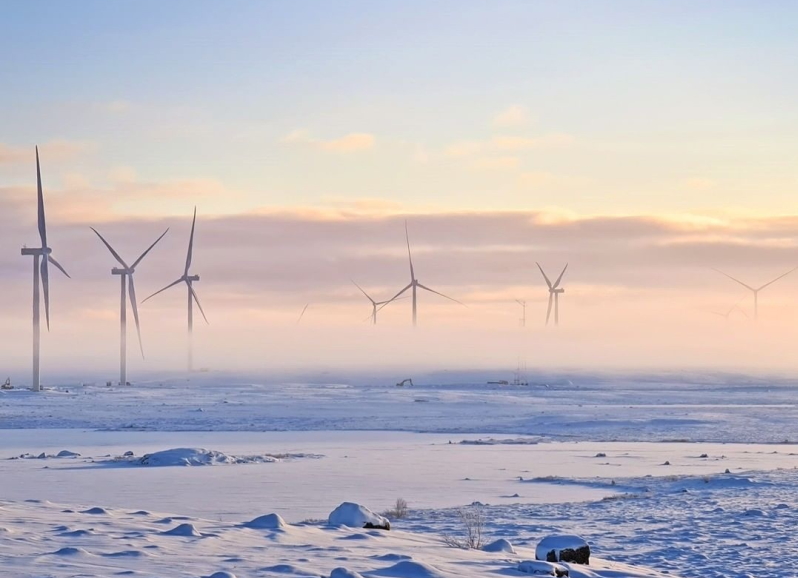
[{"x": 352, "y": 142}]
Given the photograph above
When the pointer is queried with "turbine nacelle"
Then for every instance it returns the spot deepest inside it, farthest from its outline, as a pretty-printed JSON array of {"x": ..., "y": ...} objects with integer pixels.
[{"x": 120, "y": 271}]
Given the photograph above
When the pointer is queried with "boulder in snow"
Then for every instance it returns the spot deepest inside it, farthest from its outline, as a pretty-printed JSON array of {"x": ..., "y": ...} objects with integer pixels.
[
  {"x": 563, "y": 548},
  {"x": 357, "y": 516},
  {"x": 500, "y": 545},
  {"x": 267, "y": 522},
  {"x": 540, "y": 568}
]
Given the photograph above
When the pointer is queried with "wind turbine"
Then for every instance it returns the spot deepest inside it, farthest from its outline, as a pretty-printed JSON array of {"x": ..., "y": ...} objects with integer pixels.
[
  {"x": 374, "y": 304},
  {"x": 523, "y": 308},
  {"x": 727, "y": 314},
  {"x": 41, "y": 257},
  {"x": 126, "y": 272},
  {"x": 554, "y": 294},
  {"x": 192, "y": 295},
  {"x": 756, "y": 291},
  {"x": 414, "y": 284}
]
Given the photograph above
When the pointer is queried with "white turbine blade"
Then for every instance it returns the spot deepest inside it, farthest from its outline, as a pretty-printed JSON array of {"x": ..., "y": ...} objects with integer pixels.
[
  {"x": 364, "y": 293},
  {"x": 409, "y": 285},
  {"x": 144, "y": 254},
  {"x": 42, "y": 224},
  {"x": 441, "y": 294},
  {"x": 114, "y": 253},
  {"x": 132, "y": 292},
  {"x": 777, "y": 278},
  {"x": 409, "y": 256},
  {"x": 172, "y": 284},
  {"x": 736, "y": 280},
  {"x": 46, "y": 291},
  {"x": 190, "y": 243},
  {"x": 196, "y": 300},
  {"x": 57, "y": 265},
  {"x": 544, "y": 275},
  {"x": 548, "y": 311},
  {"x": 557, "y": 282}
]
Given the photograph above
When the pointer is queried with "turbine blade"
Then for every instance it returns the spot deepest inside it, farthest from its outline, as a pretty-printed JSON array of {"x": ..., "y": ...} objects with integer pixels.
[
  {"x": 114, "y": 253},
  {"x": 548, "y": 312},
  {"x": 149, "y": 249},
  {"x": 384, "y": 303},
  {"x": 164, "y": 289},
  {"x": 132, "y": 292},
  {"x": 364, "y": 293},
  {"x": 191, "y": 243},
  {"x": 557, "y": 282},
  {"x": 42, "y": 224},
  {"x": 741, "y": 310},
  {"x": 441, "y": 294},
  {"x": 57, "y": 265},
  {"x": 735, "y": 280},
  {"x": 196, "y": 300},
  {"x": 544, "y": 275},
  {"x": 301, "y": 315},
  {"x": 409, "y": 285},
  {"x": 521, "y": 303},
  {"x": 46, "y": 291},
  {"x": 409, "y": 256},
  {"x": 777, "y": 278}
]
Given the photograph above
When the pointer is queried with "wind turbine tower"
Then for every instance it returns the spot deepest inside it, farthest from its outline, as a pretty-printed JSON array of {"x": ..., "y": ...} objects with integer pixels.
[
  {"x": 523, "y": 312},
  {"x": 126, "y": 281},
  {"x": 189, "y": 280},
  {"x": 41, "y": 257},
  {"x": 554, "y": 294},
  {"x": 415, "y": 285}
]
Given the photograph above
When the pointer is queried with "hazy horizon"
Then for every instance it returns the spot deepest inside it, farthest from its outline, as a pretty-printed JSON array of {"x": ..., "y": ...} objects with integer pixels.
[{"x": 641, "y": 143}]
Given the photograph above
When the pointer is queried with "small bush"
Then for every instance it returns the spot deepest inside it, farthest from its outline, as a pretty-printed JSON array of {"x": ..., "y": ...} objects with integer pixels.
[
  {"x": 399, "y": 510},
  {"x": 473, "y": 521}
]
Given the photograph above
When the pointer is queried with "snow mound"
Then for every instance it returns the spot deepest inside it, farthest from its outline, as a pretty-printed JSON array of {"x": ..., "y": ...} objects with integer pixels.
[
  {"x": 67, "y": 454},
  {"x": 76, "y": 533},
  {"x": 126, "y": 554},
  {"x": 199, "y": 457},
  {"x": 344, "y": 573},
  {"x": 410, "y": 569},
  {"x": 502, "y": 442},
  {"x": 500, "y": 545},
  {"x": 70, "y": 551},
  {"x": 542, "y": 568},
  {"x": 267, "y": 522},
  {"x": 222, "y": 574},
  {"x": 183, "y": 530},
  {"x": 357, "y": 516},
  {"x": 563, "y": 548},
  {"x": 96, "y": 511}
]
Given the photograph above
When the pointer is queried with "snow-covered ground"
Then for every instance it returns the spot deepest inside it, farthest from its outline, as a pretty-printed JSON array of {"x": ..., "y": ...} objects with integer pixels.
[
  {"x": 689, "y": 475},
  {"x": 690, "y": 407}
]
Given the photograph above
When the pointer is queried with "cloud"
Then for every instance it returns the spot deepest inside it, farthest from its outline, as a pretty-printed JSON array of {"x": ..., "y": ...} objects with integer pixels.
[
  {"x": 496, "y": 163},
  {"x": 352, "y": 142},
  {"x": 118, "y": 106},
  {"x": 512, "y": 116},
  {"x": 504, "y": 143},
  {"x": 541, "y": 179}
]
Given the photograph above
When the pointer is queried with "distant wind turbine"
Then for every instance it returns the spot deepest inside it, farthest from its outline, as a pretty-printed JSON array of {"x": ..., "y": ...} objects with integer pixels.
[
  {"x": 756, "y": 291},
  {"x": 727, "y": 314},
  {"x": 523, "y": 314},
  {"x": 41, "y": 257},
  {"x": 375, "y": 305},
  {"x": 414, "y": 284},
  {"x": 554, "y": 294},
  {"x": 126, "y": 272},
  {"x": 192, "y": 294}
]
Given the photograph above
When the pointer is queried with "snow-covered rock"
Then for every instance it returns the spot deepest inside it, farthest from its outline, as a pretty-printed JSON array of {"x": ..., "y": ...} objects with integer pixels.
[
  {"x": 563, "y": 548},
  {"x": 357, "y": 516},
  {"x": 187, "y": 530},
  {"x": 344, "y": 573},
  {"x": 500, "y": 545},
  {"x": 540, "y": 568},
  {"x": 266, "y": 522}
]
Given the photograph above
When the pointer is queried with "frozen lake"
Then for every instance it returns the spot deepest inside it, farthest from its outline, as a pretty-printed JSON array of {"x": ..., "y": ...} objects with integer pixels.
[{"x": 373, "y": 468}]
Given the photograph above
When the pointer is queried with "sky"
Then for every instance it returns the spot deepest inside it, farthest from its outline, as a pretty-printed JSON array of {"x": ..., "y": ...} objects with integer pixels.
[{"x": 642, "y": 142}]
